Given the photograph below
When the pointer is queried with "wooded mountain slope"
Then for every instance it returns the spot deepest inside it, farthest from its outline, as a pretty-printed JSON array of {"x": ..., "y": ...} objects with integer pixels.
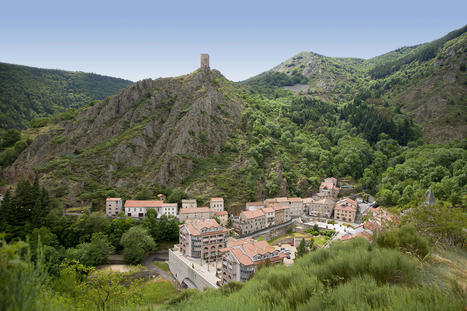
[{"x": 28, "y": 92}]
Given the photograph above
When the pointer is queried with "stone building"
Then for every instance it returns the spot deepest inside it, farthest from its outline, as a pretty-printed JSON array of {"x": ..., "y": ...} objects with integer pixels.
[
  {"x": 242, "y": 257},
  {"x": 202, "y": 238},
  {"x": 217, "y": 204},
  {"x": 322, "y": 207},
  {"x": 223, "y": 217},
  {"x": 189, "y": 204},
  {"x": 113, "y": 206},
  {"x": 346, "y": 210},
  {"x": 252, "y": 206},
  {"x": 194, "y": 213},
  {"x": 204, "y": 61},
  {"x": 281, "y": 214},
  {"x": 252, "y": 221},
  {"x": 296, "y": 207}
]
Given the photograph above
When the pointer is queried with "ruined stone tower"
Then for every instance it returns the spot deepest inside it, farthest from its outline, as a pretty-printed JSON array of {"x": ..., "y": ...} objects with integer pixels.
[{"x": 204, "y": 61}]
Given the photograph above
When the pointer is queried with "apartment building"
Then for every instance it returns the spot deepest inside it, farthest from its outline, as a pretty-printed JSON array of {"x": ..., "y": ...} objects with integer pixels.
[
  {"x": 241, "y": 258},
  {"x": 346, "y": 210},
  {"x": 252, "y": 221},
  {"x": 196, "y": 212},
  {"x": 189, "y": 204},
  {"x": 202, "y": 238}
]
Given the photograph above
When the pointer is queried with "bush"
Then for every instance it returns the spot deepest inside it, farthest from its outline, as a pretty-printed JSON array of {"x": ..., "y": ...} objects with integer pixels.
[{"x": 405, "y": 239}]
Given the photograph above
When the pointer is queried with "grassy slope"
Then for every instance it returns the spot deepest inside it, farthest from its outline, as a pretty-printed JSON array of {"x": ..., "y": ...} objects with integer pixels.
[{"x": 28, "y": 92}]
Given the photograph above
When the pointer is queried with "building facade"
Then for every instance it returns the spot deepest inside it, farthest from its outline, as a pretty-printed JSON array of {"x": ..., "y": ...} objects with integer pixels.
[
  {"x": 195, "y": 213},
  {"x": 202, "y": 238},
  {"x": 346, "y": 210},
  {"x": 321, "y": 207},
  {"x": 139, "y": 208},
  {"x": 241, "y": 258},
  {"x": 281, "y": 214},
  {"x": 252, "y": 221},
  {"x": 217, "y": 204},
  {"x": 223, "y": 217},
  {"x": 296, "y": 207},
  {"x": 252, "y": 206},
  {"x": 113, "y": 206},
  {"x": 189, "y": 204}
]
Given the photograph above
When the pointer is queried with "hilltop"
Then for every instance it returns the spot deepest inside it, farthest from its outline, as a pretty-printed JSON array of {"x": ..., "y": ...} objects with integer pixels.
[
  {"x": 28, "y": 92},
  {"x": 151, "y": 132},
  {"x": 427, "y": 81}
]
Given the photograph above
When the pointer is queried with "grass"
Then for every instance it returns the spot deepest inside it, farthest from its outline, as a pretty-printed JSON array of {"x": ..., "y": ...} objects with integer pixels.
[
  {"x": 158, "y": 290},
  {"x": 260, "y": 238},
  {"x": 320, "y": 240},
  {"x": 161, "y": 265}
]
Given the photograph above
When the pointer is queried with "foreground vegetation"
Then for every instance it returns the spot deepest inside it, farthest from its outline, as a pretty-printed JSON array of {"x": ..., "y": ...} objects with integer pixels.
[{"x": 352, "y": 275}]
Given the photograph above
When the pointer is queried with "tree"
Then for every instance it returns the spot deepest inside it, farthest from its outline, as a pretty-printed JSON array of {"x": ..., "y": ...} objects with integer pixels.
[
  {"x": 144, "y": 194},
  {"x": 100, "y": 248},
  {"x": 136, "y": 242},
  {"x": 117, "y": 228},
  {"x": 301, "y": 249},
  {"x": 106, "y": 289}
]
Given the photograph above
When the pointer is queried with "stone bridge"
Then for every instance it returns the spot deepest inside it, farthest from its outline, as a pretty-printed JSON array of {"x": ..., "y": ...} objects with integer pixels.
[{"x": 189, "y": 273}]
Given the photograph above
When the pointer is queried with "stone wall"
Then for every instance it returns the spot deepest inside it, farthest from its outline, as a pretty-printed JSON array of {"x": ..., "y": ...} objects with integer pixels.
[{"x": 181, "y": 270}]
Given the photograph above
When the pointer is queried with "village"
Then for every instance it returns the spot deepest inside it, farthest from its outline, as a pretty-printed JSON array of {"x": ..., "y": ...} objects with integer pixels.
[{"x": 216, "y": 248}]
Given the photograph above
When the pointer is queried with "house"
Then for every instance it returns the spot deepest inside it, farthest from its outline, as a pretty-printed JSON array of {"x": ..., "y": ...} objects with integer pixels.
[
  {"x": 161, "y": 197},
  {"x": 252, "y": 221},
  {"x": 202, "y": 238},
  {"x": 113, "y": 206},
  {"x": 320, "y": 207},
  {"x": 223, "y": 217},
  {"x": 270, "y": 216},
  {"x": 329, "y": 189},
  {"x": 346, "y": 210},
  {"x": 139, "y": 208},
  {"x": 252, "y": 206},
  {"x": 296, "y": 207},
  {"x": 189, "y": 204},
  {"x": 281, "y": 214},
  {"x": 217, "y": 204},
  {"x": 241, "y": 258},
  {"x": 168, "y": 209},
  {"x": 196, "y": 212}
]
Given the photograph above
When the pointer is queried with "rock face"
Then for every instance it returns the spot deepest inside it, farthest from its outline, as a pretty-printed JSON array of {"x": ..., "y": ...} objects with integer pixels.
[{"x": 155, "y": 129}]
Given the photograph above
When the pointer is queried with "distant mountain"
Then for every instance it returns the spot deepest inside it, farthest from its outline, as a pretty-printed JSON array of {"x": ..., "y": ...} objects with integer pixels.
[
  {"x": 427, "y": 81},
  {"x": 27, "y": 92}
]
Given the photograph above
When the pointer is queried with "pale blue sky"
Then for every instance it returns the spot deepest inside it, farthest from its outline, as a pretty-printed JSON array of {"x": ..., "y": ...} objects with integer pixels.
[{"x": 150, "y": 39}]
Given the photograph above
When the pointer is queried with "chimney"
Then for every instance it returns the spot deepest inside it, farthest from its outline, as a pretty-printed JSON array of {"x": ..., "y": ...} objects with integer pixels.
[{"x": 204, "y": 61}]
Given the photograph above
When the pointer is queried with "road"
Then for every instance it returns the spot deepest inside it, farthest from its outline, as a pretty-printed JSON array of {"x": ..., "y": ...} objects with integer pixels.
[{"x": 154, "y": 256}]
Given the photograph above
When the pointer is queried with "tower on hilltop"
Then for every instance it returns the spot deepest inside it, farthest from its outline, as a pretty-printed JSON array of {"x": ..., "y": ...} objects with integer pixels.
[{"x": 204, "y": 61}]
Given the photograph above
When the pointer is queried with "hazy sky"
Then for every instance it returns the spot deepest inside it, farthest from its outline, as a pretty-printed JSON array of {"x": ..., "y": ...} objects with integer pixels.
[{"x": 150, "y": 39}]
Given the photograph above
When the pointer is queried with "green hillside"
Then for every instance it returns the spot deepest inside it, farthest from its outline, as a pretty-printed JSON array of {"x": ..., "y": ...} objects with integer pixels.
[
  {"x": 428, "y": 82},
  {"x": 27, "y": 92}
]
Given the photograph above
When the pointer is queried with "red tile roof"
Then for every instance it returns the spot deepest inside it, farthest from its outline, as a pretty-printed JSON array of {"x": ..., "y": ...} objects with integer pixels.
[
  {"x": 217, "y": 199},
  {"x": 245, "y": 250},
  {"x": 252, "y": 214},
  {"x": 221, "y": 213},
  {"x": 143, "y": 203}
]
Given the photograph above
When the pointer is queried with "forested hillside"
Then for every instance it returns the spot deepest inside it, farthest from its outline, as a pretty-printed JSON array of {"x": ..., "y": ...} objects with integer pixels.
[
  {"x": 428, "y": 82},
  {"x": 27, "y": 93}
]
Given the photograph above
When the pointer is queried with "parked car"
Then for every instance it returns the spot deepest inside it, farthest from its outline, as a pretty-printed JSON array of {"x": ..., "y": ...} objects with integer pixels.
[
  {"x": 288, "y": 256},
  {"x": 291, "y": 243}
]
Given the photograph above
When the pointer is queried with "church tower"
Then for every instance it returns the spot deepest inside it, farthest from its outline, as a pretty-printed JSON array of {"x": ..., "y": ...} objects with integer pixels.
[{"x": 204, "y": 61}]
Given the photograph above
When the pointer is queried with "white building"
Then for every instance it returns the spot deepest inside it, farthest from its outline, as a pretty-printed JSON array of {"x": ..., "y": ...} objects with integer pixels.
[
  {"x": 113, "y": 206},
  {"x": 139, "y": 208},
  {"x": 217, "y": 204}
]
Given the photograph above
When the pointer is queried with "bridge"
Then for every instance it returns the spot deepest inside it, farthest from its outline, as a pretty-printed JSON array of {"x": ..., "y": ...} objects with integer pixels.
[{"x": 189, "y": 273}]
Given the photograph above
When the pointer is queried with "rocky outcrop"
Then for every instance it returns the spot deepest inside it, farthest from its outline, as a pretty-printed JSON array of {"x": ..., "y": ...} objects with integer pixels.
[{"x": 158, "y": 128}]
